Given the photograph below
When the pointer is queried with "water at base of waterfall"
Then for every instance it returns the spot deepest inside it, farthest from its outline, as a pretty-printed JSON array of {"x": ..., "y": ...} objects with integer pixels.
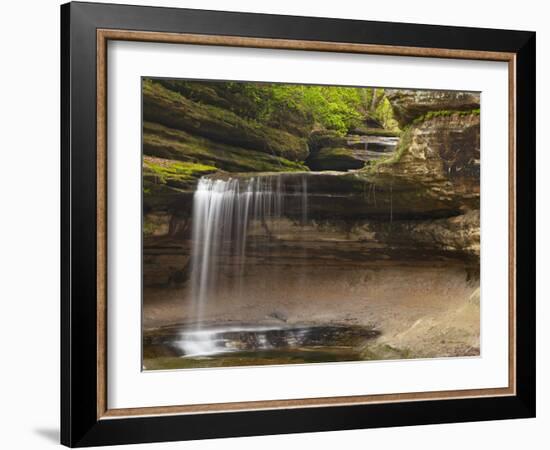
[
  {"x": 216, "y": 341},
  {"x": 176, "y": 347}
]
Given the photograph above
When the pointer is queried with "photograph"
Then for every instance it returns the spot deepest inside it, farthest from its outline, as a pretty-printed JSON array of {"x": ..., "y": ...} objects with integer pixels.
[
  {"x": 275, "y": 225},
  {"x": 297, "y": 223}
]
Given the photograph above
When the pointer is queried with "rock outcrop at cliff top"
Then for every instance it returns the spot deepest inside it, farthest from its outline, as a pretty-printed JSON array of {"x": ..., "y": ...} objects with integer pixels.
[
  {"x": 411, "y": 104},
  {"x": 441, "y": 154},
  {"x": 440, "y": 144}
]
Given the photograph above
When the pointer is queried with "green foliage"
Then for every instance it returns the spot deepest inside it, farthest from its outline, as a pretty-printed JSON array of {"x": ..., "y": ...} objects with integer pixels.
[
  {"x": 379, "y": 108},
  {"x": 334, "y": 108},
  {"x": 384, "y": 113}
]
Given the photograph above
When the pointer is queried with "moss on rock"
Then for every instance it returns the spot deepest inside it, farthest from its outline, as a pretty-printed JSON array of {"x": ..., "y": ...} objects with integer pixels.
[
  {"x": 164, "y": 142},
  {"x": 173, "y": 110},
  {"x": 174, "y": 173}
]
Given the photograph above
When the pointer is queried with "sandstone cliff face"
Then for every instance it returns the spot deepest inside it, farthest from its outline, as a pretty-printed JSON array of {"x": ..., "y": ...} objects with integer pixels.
[
  {"x": 440, "y": 148},
  {"x": 415, "y": 197},
  {"x": 440, "y": 152}
]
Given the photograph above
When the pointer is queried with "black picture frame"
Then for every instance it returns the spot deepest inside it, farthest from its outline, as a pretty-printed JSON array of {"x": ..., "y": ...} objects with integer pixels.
[{"x": 80, "y": 425}]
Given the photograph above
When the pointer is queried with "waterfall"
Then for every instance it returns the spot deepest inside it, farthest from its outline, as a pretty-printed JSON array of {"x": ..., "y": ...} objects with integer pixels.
[{"x": 225, "y": 213}]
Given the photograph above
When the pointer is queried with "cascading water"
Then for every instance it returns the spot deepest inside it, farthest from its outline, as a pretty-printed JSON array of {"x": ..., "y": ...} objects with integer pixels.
[{"x": 224, "y": 213}]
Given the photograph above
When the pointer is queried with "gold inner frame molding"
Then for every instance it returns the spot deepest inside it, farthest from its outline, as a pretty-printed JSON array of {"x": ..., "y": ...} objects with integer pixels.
[{"x": 105, "y": 35}]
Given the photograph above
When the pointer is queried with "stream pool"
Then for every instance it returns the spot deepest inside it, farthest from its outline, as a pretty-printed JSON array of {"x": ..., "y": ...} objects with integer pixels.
[{"x": 180, "y": 347}]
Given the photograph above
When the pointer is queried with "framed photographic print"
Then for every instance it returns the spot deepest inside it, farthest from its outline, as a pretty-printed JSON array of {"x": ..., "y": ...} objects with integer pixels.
[{"x": 276, "y": 224}]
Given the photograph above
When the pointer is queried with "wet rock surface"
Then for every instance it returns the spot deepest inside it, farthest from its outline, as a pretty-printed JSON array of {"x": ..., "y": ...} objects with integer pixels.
[
  {"x": 176, "y": 346},
  {"x": 251, "y": 337}
]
